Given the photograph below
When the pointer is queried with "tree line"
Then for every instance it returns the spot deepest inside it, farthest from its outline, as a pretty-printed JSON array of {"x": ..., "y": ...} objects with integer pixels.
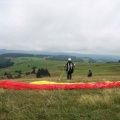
[
  {"x": 18, "y": 73},
  {"x": 47, "y": 57},
  {"x": 4, "y": 63}
]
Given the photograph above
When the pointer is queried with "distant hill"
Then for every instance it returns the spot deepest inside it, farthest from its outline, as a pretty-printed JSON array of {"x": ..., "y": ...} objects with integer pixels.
[{"x": 93, "y": 57}]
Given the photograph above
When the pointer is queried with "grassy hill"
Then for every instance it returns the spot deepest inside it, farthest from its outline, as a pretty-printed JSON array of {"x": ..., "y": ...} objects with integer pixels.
[
  {"x": 56, "y": 68},
  {"x": 97, "y": 104},
  {"x": 96, "y": 57}
]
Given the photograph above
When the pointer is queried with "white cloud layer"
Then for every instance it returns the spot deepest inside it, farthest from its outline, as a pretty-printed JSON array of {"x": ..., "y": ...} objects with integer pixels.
[{"x": 83, "y": 26}]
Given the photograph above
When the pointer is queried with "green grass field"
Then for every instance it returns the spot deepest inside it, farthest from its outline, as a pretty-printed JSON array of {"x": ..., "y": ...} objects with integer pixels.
[
  {"x": 56, "y": 67},
  {"x": 97, "y": 104}
]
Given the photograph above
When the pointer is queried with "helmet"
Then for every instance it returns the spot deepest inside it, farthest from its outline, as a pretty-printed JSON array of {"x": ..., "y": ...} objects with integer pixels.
[{"x": 69, "y": 59}]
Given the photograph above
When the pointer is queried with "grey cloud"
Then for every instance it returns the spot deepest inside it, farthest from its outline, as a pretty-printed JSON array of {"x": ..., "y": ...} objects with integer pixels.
[{"x": 61, "y": 25}]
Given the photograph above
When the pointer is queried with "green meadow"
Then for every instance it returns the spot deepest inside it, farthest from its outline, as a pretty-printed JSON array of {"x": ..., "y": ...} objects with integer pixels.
[{"x": 97, "y": 104}]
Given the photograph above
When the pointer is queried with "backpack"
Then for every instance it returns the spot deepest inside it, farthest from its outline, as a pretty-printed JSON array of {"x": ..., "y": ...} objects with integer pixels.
[{"x": 70, "y": 67}]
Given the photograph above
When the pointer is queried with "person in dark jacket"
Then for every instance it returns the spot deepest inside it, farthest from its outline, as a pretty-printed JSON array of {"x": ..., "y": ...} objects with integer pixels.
[
  {"x": 89, "y": 73},
  {"x": 69, "y": 66}
]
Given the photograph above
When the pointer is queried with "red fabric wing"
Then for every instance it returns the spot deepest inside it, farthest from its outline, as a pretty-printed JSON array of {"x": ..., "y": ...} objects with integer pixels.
[{"x": 10, "y": 84}]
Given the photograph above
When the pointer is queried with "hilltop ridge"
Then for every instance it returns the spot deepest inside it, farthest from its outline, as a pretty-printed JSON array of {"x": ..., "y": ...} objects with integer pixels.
[{"x": 96, "y": 57}]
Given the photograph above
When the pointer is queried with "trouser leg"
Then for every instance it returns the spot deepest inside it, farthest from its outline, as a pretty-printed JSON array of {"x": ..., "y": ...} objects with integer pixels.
[
  {"x": 70, "y": 76},
  {"x": 67, "y": 76}
]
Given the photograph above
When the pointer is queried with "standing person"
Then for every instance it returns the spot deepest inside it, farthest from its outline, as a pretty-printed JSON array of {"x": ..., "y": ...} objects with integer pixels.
[{"x": 69, "y": 68}]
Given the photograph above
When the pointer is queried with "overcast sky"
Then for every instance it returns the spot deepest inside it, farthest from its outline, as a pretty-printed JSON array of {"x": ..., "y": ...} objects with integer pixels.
[{"x": 82, "y": 26}]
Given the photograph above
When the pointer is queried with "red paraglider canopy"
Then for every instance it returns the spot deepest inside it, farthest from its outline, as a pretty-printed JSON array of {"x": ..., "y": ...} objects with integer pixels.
[{"x": 10, "y": 84}]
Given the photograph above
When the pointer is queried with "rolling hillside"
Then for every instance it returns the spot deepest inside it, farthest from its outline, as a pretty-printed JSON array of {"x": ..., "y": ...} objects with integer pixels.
[{"x": 97, "y": 58}]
